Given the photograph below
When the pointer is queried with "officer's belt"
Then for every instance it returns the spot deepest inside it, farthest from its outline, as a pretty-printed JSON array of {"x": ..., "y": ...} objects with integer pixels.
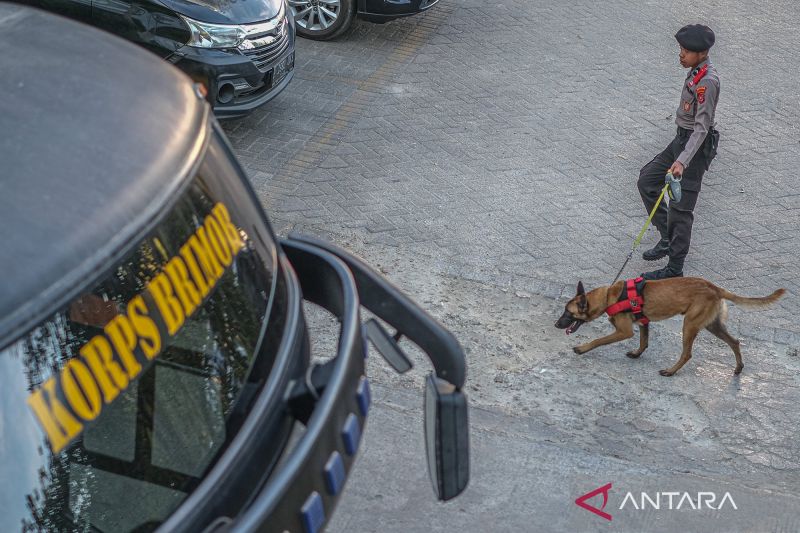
[{"x": 683, "y": 132}]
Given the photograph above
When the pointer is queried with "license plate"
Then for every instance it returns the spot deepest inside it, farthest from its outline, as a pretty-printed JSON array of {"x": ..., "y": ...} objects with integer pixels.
[{"x": 281, "y": 70}]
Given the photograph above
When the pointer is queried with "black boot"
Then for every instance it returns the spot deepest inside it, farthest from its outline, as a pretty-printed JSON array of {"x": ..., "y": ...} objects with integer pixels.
[
  {"x": 660, "y": 250},
  {"x": 674, "y": 269}
]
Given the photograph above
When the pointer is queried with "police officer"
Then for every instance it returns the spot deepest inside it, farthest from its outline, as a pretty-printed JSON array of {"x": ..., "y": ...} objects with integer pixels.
[{"x": 688, "y": 156}]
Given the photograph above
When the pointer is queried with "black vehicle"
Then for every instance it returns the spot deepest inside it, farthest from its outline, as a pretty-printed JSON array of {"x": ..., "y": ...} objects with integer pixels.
[
  {"x": 326, "y": 19},
  {"x": 154, "y": 356},
  {"x": 242, "y": 52}
]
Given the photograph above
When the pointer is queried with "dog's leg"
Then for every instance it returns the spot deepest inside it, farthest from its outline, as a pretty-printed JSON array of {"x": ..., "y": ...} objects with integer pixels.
[
  {"x": 624, "y": 330},
  {"x": 718, "y": 329},
  {"x": 690, "y": 331},
  {"x": 644, "y": 336}
]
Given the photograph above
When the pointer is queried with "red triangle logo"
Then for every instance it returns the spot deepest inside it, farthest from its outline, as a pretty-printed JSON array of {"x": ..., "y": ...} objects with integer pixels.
[{"x": 589, "y": 495}]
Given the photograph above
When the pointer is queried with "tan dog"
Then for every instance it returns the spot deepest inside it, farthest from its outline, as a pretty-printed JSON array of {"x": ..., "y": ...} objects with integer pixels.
[{"x": 700, "y": 301}]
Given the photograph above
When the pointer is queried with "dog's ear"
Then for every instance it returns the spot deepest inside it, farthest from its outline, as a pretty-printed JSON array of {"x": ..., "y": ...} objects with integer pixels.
[{"x": 583, "y": 303}]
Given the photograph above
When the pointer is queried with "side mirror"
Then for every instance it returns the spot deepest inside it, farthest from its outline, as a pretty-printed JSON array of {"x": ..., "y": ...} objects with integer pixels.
[
  {"x": 446, "y": 424},
  {"x": 446, "y": 437}
]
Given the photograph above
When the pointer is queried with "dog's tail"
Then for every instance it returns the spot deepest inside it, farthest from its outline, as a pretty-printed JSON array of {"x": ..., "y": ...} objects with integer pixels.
[{"x": 755, "y": 303}]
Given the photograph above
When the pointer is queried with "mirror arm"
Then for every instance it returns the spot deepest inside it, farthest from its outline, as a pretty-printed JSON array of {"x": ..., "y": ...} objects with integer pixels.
[
  {"x": 389, "y": 304},
  {"x": 305, "y": 392}
]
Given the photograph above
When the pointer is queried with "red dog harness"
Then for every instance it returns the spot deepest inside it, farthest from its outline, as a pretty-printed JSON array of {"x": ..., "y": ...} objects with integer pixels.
[{"x": 631, "y": 301}]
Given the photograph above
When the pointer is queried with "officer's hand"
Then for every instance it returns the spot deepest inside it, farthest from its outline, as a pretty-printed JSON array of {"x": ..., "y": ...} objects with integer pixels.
[{"x": 676, "y": 169}]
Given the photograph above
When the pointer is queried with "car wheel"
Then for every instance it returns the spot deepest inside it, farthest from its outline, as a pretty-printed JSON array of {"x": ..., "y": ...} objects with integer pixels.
[{"x": 322, "y": 19}]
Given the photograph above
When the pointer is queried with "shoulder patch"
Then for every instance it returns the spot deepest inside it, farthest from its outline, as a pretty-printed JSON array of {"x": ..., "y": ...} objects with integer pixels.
[{"x": 701, "y": 94}]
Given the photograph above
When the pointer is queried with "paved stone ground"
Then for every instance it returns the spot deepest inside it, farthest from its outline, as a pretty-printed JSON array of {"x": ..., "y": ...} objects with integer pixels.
[
  {"x": 507, "y": 138},
  {"x": 484, "y": 155}
]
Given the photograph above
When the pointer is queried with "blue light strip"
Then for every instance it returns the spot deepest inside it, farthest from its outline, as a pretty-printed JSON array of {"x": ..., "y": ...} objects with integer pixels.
[
  {"x": 334, "y": 473},
  {"x": 313, "y": 513},
  {"x": 351, "y": 434},
  {"x": 364, "y": 396}
]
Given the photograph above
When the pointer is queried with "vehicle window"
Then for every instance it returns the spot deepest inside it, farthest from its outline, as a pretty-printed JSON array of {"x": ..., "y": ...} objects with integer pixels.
[{"x": 114, "y": 408}]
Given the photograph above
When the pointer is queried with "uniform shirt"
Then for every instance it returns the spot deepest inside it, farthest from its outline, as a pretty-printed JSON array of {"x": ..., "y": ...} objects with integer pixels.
[{"x": 697, "y": 108}]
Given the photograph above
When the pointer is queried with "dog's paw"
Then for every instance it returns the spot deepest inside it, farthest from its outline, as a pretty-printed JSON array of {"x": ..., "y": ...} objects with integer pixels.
[
  {"x": 665, "y": 373},
  {"x": 633, "y": 355},
  {"x": 738, "y": 370},
  {"x": 578, "y": 350}
]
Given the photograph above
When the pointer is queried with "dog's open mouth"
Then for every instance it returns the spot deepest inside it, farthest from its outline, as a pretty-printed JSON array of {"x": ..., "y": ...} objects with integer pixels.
[{"x": 572, "y": 328}]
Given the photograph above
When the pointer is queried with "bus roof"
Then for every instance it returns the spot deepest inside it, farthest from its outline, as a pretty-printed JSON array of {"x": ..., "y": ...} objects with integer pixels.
[{"x": 96, "y": 135}]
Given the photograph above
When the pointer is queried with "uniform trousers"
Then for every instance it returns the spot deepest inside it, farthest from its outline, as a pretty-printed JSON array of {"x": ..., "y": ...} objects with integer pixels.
[{"x": 674, "y": 223}]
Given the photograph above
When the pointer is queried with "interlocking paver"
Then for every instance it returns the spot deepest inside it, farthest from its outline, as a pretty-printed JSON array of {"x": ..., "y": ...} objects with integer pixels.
[{"x": 524, "y": 125}]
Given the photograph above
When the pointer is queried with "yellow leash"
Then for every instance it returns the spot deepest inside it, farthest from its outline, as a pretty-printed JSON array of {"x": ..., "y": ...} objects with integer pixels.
[{"x": 638, "y": 239}]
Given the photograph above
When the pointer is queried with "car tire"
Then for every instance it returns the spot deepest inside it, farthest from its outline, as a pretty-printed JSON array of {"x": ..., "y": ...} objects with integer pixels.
[{"x": 322, "y": 19}]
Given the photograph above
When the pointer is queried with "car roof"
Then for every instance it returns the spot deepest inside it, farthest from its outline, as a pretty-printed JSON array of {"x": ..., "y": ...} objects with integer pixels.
[{"x": 96, "y": 135}]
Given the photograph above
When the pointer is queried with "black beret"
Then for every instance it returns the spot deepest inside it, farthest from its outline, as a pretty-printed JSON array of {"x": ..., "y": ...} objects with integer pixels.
[{"x": 695, "y": 37}]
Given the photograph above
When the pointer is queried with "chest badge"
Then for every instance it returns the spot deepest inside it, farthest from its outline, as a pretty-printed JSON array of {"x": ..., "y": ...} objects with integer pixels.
[{"x": 701, "y": 94}]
